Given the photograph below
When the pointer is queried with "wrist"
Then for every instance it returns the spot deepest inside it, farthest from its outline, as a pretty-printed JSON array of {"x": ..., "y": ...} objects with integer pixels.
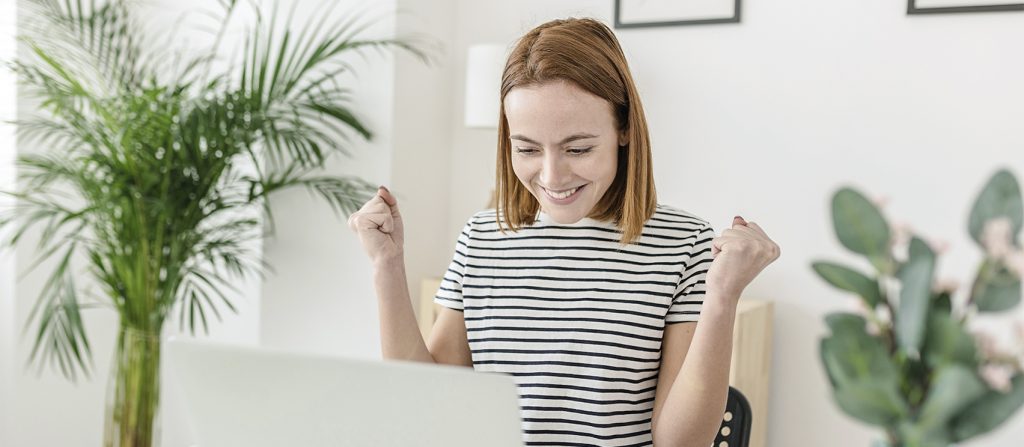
[
  {"x": 720, "y": 301},
  {"x": 725, "y": 289}
]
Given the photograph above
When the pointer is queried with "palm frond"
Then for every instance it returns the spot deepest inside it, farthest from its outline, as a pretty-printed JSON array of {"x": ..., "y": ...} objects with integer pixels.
[{"x": 60, "y": 339}]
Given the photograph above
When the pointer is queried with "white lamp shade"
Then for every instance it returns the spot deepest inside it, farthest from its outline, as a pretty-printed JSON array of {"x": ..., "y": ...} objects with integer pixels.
[{"x": 484, "y": 64}]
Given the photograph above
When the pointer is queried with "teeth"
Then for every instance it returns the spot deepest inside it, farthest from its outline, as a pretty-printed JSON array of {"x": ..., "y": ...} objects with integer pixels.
[{"x": 561, "y": 195}]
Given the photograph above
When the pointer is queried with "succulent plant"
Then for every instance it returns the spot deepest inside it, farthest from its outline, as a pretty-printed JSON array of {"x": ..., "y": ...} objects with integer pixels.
[{"x": 907, "y": 363}]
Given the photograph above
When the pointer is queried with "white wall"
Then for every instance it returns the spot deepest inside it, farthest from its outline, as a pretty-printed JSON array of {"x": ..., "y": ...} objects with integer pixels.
[
  {"x": 767, "y": 118},
  {"x": 421, "y": 172},
  {"x": 8, "y": 109},
  {"x": 319, "y": 298}
]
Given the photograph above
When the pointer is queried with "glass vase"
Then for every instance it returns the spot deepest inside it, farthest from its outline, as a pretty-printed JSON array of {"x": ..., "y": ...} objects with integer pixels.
[{"x": 133, "y": 391}]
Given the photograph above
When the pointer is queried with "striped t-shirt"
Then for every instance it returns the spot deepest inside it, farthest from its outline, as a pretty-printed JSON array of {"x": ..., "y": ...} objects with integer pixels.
[{"x": 577, "y": 318}]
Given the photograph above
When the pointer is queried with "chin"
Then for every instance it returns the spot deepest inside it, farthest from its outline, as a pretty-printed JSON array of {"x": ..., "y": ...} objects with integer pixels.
[
  {"x": 562, "y": 218},
  {"x": 565, "y": 216}
]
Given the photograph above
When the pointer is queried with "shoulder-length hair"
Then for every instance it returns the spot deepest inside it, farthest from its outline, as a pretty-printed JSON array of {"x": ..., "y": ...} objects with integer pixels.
[{"x": 586, "y": 53}]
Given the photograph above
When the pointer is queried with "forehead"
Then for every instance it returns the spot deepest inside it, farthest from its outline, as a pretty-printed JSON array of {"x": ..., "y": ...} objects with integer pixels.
[{"x": 555, "y": 109}]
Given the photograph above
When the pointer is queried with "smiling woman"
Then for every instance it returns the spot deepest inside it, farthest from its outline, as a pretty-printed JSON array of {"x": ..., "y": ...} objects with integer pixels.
[{"x": 579, "y": 285}]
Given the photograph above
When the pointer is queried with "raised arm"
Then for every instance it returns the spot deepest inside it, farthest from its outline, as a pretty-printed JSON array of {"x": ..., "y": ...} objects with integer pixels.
[
  {"x": 380, "y": 229},
  {"x": 694, "y": 377}
]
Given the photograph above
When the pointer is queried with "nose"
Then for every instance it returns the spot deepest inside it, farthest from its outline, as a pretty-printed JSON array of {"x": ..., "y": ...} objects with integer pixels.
[{"x": 554, "y": 172}]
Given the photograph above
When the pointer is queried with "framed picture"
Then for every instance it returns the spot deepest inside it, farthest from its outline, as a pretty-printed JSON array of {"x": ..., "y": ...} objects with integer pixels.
[
  {"x": 651, "y": 13},
  {"x": 946, "y": 6}
]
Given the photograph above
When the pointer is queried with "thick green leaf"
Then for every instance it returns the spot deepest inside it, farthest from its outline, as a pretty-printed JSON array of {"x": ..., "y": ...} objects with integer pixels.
[
  {"x": 850, "y": 354},
  {"x": 989, "y": 411},
  {"x": 954, "y": 388},
  {"x": 1000, "y": 197},
  {"x": 912, "y": 433},
  {"x": 948, "y": 343},
  {"x": 850, "y": 280},
  {"x": 861, "y": 228},
  {"x": 915, "y": 296},
  {"x": 875, "y": 402},
  {"x": 845, "y": 323},
  {"x": 997, "y": 290}
]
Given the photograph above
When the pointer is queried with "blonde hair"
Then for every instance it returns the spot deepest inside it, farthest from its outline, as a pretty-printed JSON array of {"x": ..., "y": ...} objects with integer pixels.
[{"x": 586, "y": 53}]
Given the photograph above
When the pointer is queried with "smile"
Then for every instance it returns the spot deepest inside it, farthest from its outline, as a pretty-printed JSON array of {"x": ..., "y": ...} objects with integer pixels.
[{"x": 564, "y": 195}]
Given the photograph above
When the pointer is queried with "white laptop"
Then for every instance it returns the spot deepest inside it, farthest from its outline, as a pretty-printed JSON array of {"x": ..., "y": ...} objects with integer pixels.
[{"x": 253, "y": 397}]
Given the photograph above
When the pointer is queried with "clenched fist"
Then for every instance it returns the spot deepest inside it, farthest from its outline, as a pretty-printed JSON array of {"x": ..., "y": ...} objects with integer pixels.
[
  {"x": 740, "y": 253},
  {"x": 379, "y": 225}
]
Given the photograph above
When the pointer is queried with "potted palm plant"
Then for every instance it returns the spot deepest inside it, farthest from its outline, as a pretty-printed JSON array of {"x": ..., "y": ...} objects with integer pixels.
[{"x": 152, "y": 169}]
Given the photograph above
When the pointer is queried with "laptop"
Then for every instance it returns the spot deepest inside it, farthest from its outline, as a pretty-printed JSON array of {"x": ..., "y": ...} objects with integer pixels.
[{"x": 256, "y": 397}]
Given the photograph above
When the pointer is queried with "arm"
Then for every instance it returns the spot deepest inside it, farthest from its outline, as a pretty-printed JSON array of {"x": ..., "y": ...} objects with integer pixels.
[
  {"x": 696, "y": 359},
  {"x": 693, "y": 381},
  {"x": 400, "y": 337},
  {"x": 399, "y": 333},
  {"x": 381, "y": 231}
]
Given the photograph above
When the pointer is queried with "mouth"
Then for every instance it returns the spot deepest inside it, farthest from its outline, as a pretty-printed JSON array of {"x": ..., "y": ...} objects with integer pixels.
[{"x": 563, "y": 196}]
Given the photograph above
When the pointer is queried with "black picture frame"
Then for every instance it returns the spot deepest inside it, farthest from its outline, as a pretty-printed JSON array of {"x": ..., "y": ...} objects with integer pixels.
[
  {"x": 912, "y": 8},
  {"x": 619, "y": 24}
]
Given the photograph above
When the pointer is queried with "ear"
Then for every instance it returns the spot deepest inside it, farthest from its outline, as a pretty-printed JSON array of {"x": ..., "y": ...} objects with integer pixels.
[{"x": 623, "y": 138}]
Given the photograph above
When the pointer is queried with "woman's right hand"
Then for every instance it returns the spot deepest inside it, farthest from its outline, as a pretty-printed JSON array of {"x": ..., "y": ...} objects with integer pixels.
[{"x": 379, "y": 225}]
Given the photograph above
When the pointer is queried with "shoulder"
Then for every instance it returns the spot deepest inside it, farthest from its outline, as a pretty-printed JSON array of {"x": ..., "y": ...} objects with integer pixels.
[
  {"x": 483, "y": 217},
  {"x": 666, "y": 215},
  {"x": 481, "y": 220}
]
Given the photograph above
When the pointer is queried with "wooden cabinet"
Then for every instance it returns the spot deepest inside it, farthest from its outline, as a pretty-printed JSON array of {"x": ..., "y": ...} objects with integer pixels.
[
  {"x": 751, "y": 351},
  {"x": 752, "y": 362}
]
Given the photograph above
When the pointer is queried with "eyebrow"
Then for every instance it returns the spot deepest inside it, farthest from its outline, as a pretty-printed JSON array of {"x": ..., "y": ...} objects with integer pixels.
[{"x": 570, "y": 138}]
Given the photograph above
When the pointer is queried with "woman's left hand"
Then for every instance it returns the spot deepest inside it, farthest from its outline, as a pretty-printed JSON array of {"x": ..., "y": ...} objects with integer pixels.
[{"x": 740, "y": 253}]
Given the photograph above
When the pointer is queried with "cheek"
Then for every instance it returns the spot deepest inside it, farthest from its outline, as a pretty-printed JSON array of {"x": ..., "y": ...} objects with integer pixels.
[
  {"x": 523, "y": 170},
  {"x": 600, "y": 168}
]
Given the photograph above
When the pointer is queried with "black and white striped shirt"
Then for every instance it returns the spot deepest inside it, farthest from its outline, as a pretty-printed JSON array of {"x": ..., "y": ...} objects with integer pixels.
[{"x": 577, "y": 318}]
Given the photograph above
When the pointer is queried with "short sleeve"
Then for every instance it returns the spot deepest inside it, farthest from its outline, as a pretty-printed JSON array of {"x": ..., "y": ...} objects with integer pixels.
[
  {"x": 449, "y": 294},
  {"x": 689, "y": 295}
]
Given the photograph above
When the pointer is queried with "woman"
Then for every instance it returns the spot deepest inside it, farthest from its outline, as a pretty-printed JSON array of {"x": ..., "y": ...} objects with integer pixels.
[{"x": 582, "y": 287}]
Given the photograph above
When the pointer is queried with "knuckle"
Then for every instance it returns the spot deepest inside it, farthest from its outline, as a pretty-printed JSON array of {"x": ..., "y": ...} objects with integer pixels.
[{"x": 746, "y": 245}]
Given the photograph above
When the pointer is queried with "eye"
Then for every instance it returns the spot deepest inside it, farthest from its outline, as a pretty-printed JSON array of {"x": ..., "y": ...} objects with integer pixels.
[
  {"x": 580, "y": 150},
  {"x": 526, "y": 150}
]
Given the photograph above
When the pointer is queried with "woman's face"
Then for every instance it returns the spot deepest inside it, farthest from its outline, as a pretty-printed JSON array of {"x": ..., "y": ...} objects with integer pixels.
[{"x": 564, "y": 146}]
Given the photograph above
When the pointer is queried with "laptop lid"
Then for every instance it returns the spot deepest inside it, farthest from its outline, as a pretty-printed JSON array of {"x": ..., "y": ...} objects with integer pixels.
[{"x": 255, "y": 397}]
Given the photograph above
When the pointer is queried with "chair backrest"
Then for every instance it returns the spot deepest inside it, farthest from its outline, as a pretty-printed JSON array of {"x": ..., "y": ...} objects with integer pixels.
[{"x": 735, "y": 430}]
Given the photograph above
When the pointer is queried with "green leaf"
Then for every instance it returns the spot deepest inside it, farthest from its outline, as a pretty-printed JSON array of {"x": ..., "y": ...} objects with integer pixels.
[
  {"x": 861, "y": 228},
  {"x": 989, "y": 411},
  {"x": 850, "y": 354},
  {"x": 948, "y": 343},
  {"x": 845, "y": 323},
  {"x": 915, "y": 295},
  {"x": 1000, "y": 197},
  {"x": 874, "y": 402},
  {"x": 953, "y": 389},
  {"x": 851, "y": 281},
  {"x": 912, "y": 433},
  {"x": 998, "y": 291}
]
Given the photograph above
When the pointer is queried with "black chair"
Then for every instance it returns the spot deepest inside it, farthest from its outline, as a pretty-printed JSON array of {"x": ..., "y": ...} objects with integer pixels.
[{"x": 735, "y": 431}]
